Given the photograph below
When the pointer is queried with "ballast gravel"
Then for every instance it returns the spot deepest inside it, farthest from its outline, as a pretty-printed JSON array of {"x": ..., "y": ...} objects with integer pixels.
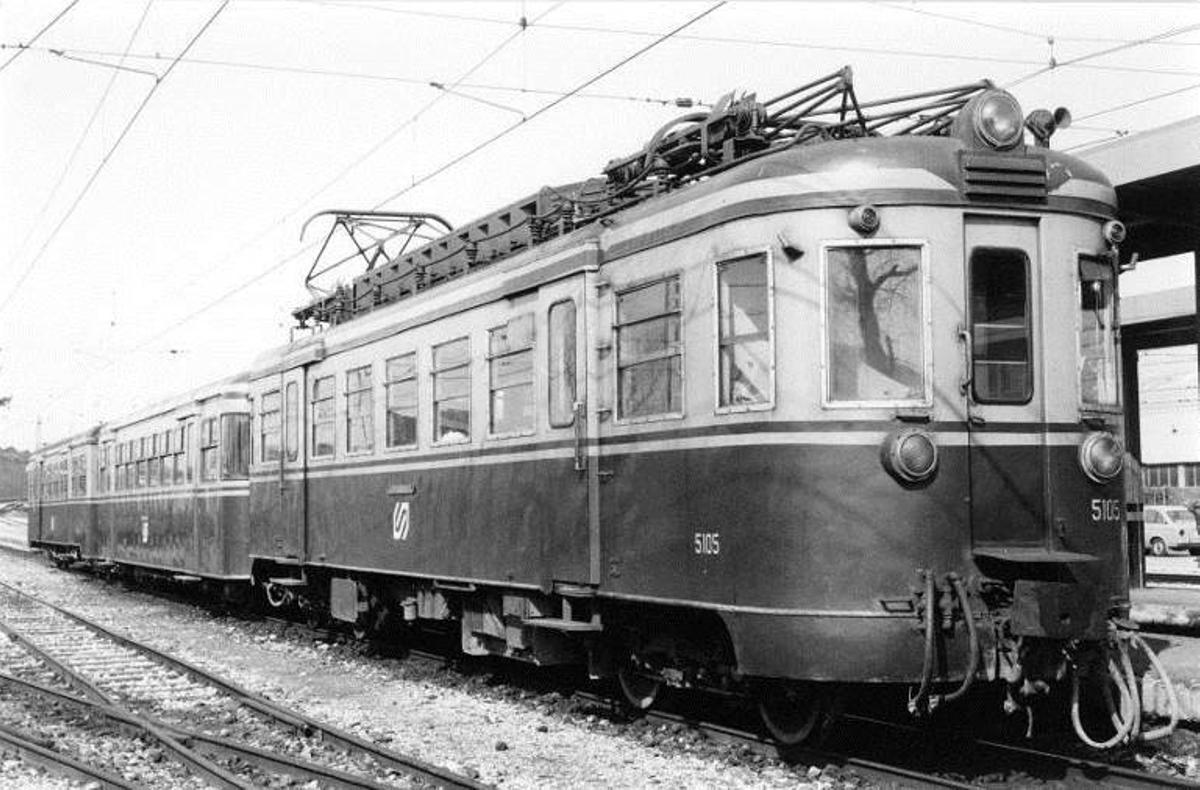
[{"x": 508, "y": 738}]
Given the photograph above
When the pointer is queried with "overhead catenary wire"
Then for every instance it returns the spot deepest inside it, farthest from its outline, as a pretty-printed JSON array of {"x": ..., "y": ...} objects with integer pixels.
[
  {"x": 1053, "y": 65},
  {"x": 869, "y": 50},
  {"x": 82, "y": 380},
  {"x": 62, "y": 176},
  {"x": 550, "y": 105},
  {"x": 360, "y": 75},
  {"x": 522, "y": 25},
  {"x": 22, "y": 48},
  {"x": 107, "y": 157}
]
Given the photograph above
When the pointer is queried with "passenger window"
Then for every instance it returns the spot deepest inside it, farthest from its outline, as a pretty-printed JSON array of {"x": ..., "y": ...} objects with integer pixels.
[
  {"x": 1097, "y": 332},
  {"x": 510, "y": 369},
  {"x": 649, "y": 350},
  {"x": 1000, "y": 326},
  {"x": 141, "y": 464},
  {"x": 875, "y": 325},
  {"x": 561, "y": 368},
  {"x": 360, "y": 411},
  {"x": 188, "y": 457},
  {"x": 322, "y": 417},
  {"x": 268, "y": 428},
  {"x": 452, "y": 391},
  {"x": 402, "y": 400},
  {"x": 292, "y": 421},
  {"x": 235, "y": 443},
  {"x": 210, "y": 458},
  {"x": 745, "y": 348}
]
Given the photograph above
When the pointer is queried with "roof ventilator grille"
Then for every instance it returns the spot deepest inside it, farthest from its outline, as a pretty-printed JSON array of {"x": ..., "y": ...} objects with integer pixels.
[{"x": 989, "y": 176}]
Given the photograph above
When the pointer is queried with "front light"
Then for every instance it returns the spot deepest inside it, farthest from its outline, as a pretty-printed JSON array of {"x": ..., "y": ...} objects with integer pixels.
[
  {"x": 997, "y": 119},
  {"x": 911, "y": 456},
  {"x": 1102, "y": 456}
]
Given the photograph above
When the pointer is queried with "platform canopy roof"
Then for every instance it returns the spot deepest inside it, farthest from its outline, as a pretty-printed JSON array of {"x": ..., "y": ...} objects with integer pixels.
[{"x": 1157, "y": 177}]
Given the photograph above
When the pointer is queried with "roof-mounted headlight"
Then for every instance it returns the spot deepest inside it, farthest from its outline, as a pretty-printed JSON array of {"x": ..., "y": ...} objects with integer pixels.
[
  {"x": 998, "y": 120},
  {"x": 993, "y": 119}
]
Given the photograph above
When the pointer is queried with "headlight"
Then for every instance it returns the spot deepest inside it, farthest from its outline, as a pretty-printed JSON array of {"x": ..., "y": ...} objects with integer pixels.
[
  {"x": 911, "y": 456},
  {"x": 1102, "y": 456},
  {"x": 997, "y": 119}
]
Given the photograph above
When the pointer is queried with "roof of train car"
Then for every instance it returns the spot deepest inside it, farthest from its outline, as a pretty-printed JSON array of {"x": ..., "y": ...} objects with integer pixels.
[
  {"x": 832, "y": 173},
  {"x": 230, "y": 385}
]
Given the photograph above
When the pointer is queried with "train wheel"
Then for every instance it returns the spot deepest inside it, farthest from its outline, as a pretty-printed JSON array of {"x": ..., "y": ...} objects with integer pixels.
[
  {"x": 791, "y": 712},
  {"x": 639, "y": 689},
  {"x": 1157, "y": 547}
]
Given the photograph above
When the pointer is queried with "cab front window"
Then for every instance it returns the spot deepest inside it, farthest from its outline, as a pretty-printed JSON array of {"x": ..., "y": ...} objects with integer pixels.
[{"x": 1097, "y": 333}]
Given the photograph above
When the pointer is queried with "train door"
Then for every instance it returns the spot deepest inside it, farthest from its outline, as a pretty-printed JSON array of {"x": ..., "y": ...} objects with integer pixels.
[
  {"x": 571, "y": 545},
  {"x": 291, "y": 517},
  {"x": 1004, "y": 392}
]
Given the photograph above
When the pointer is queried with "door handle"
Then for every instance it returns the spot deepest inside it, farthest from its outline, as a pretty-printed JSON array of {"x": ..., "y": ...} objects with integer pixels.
[
  {"x": 964, "y": 337},
  {"x": 580, "y": 410}
]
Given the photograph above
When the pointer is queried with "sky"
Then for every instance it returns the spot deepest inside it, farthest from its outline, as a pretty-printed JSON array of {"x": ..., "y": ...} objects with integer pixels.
[{"x": 150, "y": 208}]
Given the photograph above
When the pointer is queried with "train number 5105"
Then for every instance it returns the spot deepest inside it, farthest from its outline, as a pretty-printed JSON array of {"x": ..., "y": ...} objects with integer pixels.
[
  {"x": 1106, "y": 510},
  {"x": 707, "y": 542}
]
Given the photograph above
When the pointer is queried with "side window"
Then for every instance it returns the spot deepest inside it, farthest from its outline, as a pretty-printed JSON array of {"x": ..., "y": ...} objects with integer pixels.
[
  {"x": 103, "y": 479},
  {"x": 291, "y": 436},
  {"x": 235, "y": 445},
  {"x": 745, "y": 345},
  {"x": 510, "y": 376},
  {"x": 322, "y": 416},
  {"x": 452, "y": 391},
  {"x": 1097, "y": 332},
  {"x": 189, "y": 461},
  {"x": 180, "y": 455},
  {"x": 360, "y": 411},
  {"x": 268, "y": 427},
  {"x": 1000, "y": 326},
  {"x": 649, "y": 350},
  {"x": 874, "y": 325},
  {"x": 141, "y": 464},
  {"x": 401, "y": 387},
  {"x": 561, "y": 367},
  {"x": 210, "y": 449}
]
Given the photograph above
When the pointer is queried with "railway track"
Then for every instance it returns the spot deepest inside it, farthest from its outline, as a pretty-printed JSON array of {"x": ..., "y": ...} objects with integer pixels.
[{"x": 71, "y": 663}]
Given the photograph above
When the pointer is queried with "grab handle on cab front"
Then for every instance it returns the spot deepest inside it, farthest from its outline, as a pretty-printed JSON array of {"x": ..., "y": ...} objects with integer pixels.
[
  {"x": 964, "y": 337},
  {"x": 580, "y": 409}
]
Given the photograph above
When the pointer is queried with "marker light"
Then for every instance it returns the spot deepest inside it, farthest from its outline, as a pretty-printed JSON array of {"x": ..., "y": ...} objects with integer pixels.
[
  {"x": 1102, "y": 456},
  {"x": 1114, "y": 231},
  {"x": 911, "y": 456},
  {"x": 864, "y": 219},
  {"x": 997, "y": 119}
]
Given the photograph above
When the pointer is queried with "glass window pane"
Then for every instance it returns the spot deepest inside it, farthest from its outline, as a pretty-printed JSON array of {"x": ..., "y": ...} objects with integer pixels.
[
  {"x": 653, "y": 387},
  {"x": 402, "y": 367},
  {"x": 744, "y": 331},
  {"x": 323, "y": 413},
  {"x": 875, "y": 325},
  {"x": 648, "y": 301},
  {"x": 456, "y": 352},
  {"x": 452, "y": 420},
  {"x": 1097, "y": 332},
  {"x": 649, "y": 350},
  {"x": 1003, "y": 367},
  {"x": 402, "y": 413},
  {"x": 561, "y": 370}
]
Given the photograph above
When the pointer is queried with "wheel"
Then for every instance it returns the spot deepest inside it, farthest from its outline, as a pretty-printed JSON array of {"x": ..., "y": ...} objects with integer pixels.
[
  {"x": 1157, "y": 547},
  {"x": 791, "y": 712},
  {"x": 639, "y": 689}
]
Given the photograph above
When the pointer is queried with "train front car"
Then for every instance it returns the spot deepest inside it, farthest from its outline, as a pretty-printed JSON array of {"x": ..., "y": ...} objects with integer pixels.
[
  {"x": 943, "y": 504},
  {"x": 807, "y": 393}
]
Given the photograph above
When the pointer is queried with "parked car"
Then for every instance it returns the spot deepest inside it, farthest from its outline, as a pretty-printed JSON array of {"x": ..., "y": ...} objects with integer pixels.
[{"x": 1170, "y": 529}]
